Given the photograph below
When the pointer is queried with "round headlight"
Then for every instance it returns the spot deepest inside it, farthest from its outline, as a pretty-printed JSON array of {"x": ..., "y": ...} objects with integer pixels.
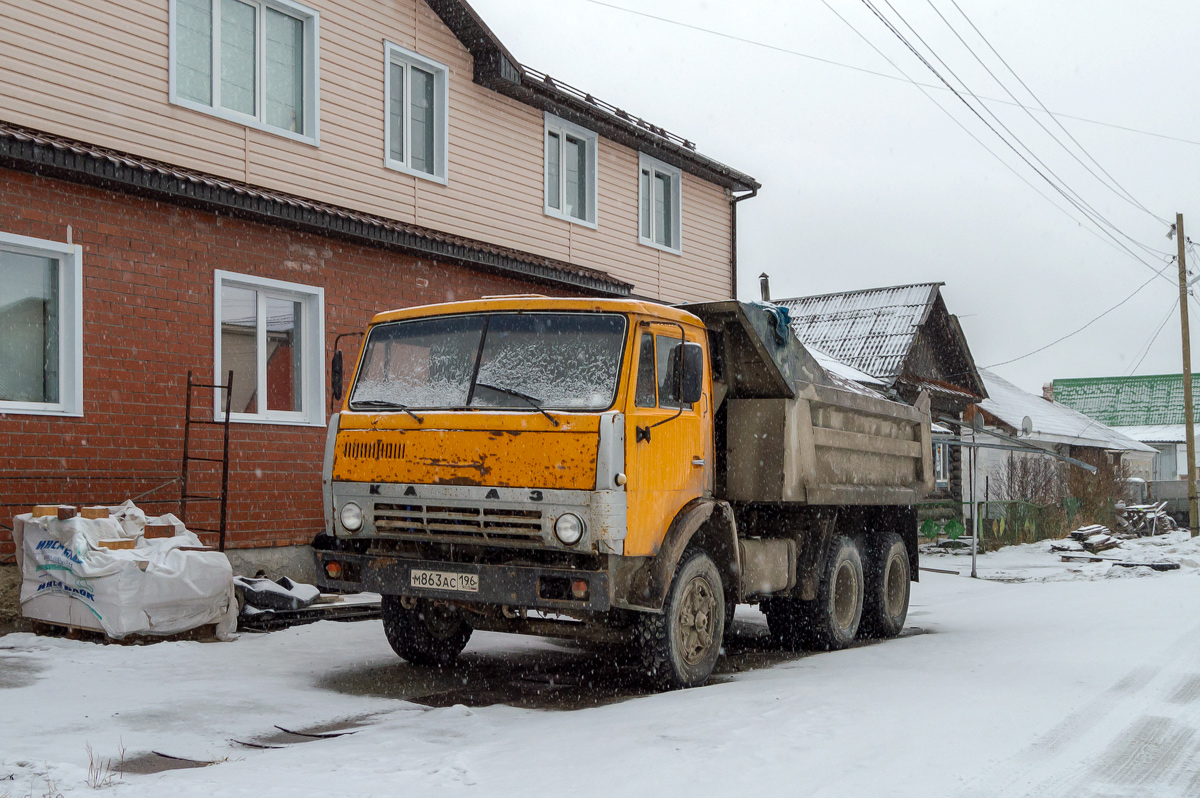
[
  {"x": 352, "y": 517},
  {"x": 569, "y": 528}
]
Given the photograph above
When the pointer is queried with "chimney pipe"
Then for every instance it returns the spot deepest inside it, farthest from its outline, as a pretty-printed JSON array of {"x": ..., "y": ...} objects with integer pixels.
[
  {"x": 1048, "y": 391},
  {"x": 764, "y": 286}
]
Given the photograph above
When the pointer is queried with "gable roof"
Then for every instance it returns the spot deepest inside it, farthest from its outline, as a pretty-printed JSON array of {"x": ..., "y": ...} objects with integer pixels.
[
  {"x": 1127, "y": 401},
  {"x": 497, "y": 69},
  {"x": 1052, "y": 422},
  {"x": 873, "y": 330}
]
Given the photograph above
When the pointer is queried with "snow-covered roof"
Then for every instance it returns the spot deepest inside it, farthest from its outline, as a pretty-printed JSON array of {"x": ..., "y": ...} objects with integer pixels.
[
  {"x": 1147, "y": 399},
  {"x": 872, "y": 330},
  {"x": 832, "y": 364},
  {"x": 1052, "y": 422},
  {"x": 1154, "y": 433}
]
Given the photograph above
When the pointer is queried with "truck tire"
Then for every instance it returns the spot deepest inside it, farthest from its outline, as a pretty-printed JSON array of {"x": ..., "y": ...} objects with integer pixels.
[
  {"x": 679, "y": 648},
  {"x": 888, "y": 586},
  {"x": 427, "y": 634},
  {"x": 830, "y": 621}
]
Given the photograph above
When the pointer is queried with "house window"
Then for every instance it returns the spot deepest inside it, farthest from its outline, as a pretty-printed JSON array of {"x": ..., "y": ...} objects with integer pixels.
[
  {"x": 249, "y": 61},
  {"x": 659, "y": 190},
  {"x": 270, "y": 334},
  {"x": 570, "y": 171},
  {"x": 416, "y": 105},
  {"x": 941, "y": 464},
  {"x": 41, "y": 327}
]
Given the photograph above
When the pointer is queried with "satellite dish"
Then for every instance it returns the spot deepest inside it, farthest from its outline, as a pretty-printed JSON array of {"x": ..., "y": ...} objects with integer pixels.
[
  {"x": 1027, "y": 426},
  {"x": 977, "y": 422}
]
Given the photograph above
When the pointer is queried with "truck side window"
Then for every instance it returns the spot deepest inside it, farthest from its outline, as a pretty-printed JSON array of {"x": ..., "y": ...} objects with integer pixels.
[
  {"x": 668, "y": 372},
  {"x": 643, "y": 395}
]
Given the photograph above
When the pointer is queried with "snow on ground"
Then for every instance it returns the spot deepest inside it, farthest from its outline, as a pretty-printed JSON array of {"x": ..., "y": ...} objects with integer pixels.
[
  {"x": 1042, "y": 688},
  {"x": 1036, "y": 562}
]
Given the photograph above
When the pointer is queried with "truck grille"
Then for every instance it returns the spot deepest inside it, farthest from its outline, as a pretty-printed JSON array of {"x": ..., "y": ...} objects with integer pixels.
[{"x": 458, "y": 523}]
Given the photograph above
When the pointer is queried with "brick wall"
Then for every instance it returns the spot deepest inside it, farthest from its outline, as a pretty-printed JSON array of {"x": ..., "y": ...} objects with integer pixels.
[{"x": 148, "y": 319}]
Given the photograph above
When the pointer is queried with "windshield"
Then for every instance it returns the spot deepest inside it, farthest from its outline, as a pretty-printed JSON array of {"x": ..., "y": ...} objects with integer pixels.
[{"x": 565, "y": 361}]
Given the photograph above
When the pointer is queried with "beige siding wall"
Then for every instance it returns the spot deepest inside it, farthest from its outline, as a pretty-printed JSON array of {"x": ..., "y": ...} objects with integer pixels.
[{"x": 98, "y": 72}]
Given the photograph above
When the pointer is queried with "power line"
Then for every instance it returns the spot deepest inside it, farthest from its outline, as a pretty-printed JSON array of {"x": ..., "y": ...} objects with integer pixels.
[
  {"x": 1072, "y": 196},
  {"x": 1122, "y": 190},
  {"x": 1153, "y": 338},
  {"x": 864, "y": 70},
  {"x": 1084, "y": 327},
  {"x": 1059, "y": 189},
  {"x": 921, "y": 87}
]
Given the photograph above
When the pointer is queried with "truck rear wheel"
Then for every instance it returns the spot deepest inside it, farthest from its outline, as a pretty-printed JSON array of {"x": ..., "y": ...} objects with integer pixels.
[
  {"x": 427, "y": 634},
  {"x": 888, "y": 587},
  {"x": 679, "y": 648},
  {"x": 830, "y": 621}
]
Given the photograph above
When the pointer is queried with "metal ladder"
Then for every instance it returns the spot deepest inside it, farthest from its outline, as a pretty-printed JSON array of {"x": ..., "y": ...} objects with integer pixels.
[{"x": 188, "y": 457}]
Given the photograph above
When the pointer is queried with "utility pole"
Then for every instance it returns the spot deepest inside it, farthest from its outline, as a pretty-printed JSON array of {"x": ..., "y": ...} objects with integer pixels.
[{"x": 1193, "y": 516}]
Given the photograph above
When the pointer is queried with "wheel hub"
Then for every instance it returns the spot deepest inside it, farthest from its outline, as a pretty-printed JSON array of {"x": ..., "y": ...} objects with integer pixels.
[
  {"x": 696, "y": 627},
  {"x": 845, "y": 595}
]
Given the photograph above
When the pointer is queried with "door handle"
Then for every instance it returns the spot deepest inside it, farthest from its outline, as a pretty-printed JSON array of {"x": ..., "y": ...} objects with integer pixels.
[{"x": 698, "y": 461}]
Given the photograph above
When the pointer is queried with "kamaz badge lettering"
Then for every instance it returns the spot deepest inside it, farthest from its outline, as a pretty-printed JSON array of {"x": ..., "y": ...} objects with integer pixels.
[{"x": 374, "y": 490}]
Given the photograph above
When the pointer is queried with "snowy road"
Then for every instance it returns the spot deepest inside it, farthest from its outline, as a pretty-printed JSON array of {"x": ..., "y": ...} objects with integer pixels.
[{"x": 1067, "y": 688}]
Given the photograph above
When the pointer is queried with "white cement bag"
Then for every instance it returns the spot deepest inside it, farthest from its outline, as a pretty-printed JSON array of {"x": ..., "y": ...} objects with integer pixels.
[{"x": 153, "y": 588}]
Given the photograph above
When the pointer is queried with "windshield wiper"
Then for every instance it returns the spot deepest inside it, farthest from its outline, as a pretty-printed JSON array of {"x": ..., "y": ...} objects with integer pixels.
[
  {"x": 380, "y": 403},
  {"x": 533, "y": 401}
]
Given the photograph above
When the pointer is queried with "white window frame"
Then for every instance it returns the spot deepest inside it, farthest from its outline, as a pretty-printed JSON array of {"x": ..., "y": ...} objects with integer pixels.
[
  {"x": 941, "y": 465},
  {"x": 554, "y": 124},
  {"x": 70, "y": 329},
  {"x": 394, "y": 53},
  {"x": 654, "y": 165},
  {"x": 312, "y": 72},
  {"x": 312, "y": 355}
]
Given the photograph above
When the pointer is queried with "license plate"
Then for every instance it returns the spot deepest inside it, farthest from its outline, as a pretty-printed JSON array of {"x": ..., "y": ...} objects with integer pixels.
[{"x": 445, "y": 580}]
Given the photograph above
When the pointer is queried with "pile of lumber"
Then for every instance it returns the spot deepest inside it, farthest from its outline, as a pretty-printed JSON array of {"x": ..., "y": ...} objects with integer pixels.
[
  {"x": 1143, "y": 520},
  {"x": 1092, "y": 538}
]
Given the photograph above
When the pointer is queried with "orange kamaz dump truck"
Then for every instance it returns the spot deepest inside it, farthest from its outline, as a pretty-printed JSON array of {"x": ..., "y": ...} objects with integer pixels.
[{"x": 621, "y": 471}]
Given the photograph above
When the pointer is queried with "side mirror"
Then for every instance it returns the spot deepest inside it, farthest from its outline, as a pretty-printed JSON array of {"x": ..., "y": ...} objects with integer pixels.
[
  {"x": 692, "y": 376},
  {"x": 336, "y": 376}
]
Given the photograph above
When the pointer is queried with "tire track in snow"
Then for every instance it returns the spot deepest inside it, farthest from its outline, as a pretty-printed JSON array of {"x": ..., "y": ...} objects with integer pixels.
[{"x": 1154, "y": 716}]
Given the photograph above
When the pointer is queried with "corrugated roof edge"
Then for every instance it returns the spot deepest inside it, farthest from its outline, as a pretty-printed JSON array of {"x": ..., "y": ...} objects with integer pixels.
[
  {"x": 36, "y": 152},
  {"x": 497, "y": 69},
  {"x": 879, "y": 289}
]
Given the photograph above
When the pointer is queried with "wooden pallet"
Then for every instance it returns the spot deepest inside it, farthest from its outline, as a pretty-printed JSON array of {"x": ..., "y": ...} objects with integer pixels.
[{"x": 204, "y": 634}]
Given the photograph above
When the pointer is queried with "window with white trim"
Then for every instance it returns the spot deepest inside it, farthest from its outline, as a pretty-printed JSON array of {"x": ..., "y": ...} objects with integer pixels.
[
  {"x": 271, "y": 334},
  {"x": 941, "y": 464},
  {"x": 249, "y": 61},
  {"x": 659, "y": 193},
  {"x": 570, "y": 171},
  {"x": 416, "y": 105},
  {"x": 41, "y": 327}
]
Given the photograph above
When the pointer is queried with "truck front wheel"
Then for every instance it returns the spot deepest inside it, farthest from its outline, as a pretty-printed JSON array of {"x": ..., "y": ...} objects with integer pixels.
[
  {"x": 426, "y": 634},
  {"x": 830, "y": 621},
  {"x": 887, "y": 588},
  {"x": 679, "y": 648}
]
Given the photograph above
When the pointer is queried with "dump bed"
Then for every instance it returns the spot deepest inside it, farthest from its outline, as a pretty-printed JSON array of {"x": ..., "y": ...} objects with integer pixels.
[{"x": 796, "y": 433}]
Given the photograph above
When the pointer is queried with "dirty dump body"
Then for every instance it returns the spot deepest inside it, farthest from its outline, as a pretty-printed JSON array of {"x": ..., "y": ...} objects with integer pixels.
[{"x": 615, "y": 470}]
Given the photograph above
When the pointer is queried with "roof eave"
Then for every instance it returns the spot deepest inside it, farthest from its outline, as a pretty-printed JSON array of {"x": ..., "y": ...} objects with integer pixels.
[{"x": 497, "y": 69}]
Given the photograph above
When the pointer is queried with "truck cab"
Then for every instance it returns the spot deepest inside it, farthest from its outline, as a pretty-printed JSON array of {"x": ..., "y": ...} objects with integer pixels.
[{"x": 546, "y": 466}]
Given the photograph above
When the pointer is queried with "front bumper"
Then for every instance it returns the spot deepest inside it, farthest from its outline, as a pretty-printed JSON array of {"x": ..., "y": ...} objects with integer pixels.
[{"x": 514, "y": 586}]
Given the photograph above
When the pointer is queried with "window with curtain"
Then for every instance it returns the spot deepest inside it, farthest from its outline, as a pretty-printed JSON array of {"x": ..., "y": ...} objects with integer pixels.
[
  {"x": 40, "y": 340},
  {"x": 416, "y": 107},
  {"x": 570, "y": 171},
  {"x": 253, "y": 62},
  {"x": 659, "y": 195},
  {"x": 267, "y": 339}
]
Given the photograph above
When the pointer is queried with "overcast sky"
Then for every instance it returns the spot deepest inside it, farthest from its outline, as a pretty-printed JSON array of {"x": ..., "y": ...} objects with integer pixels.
[{"x": 867, "y": 183}]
